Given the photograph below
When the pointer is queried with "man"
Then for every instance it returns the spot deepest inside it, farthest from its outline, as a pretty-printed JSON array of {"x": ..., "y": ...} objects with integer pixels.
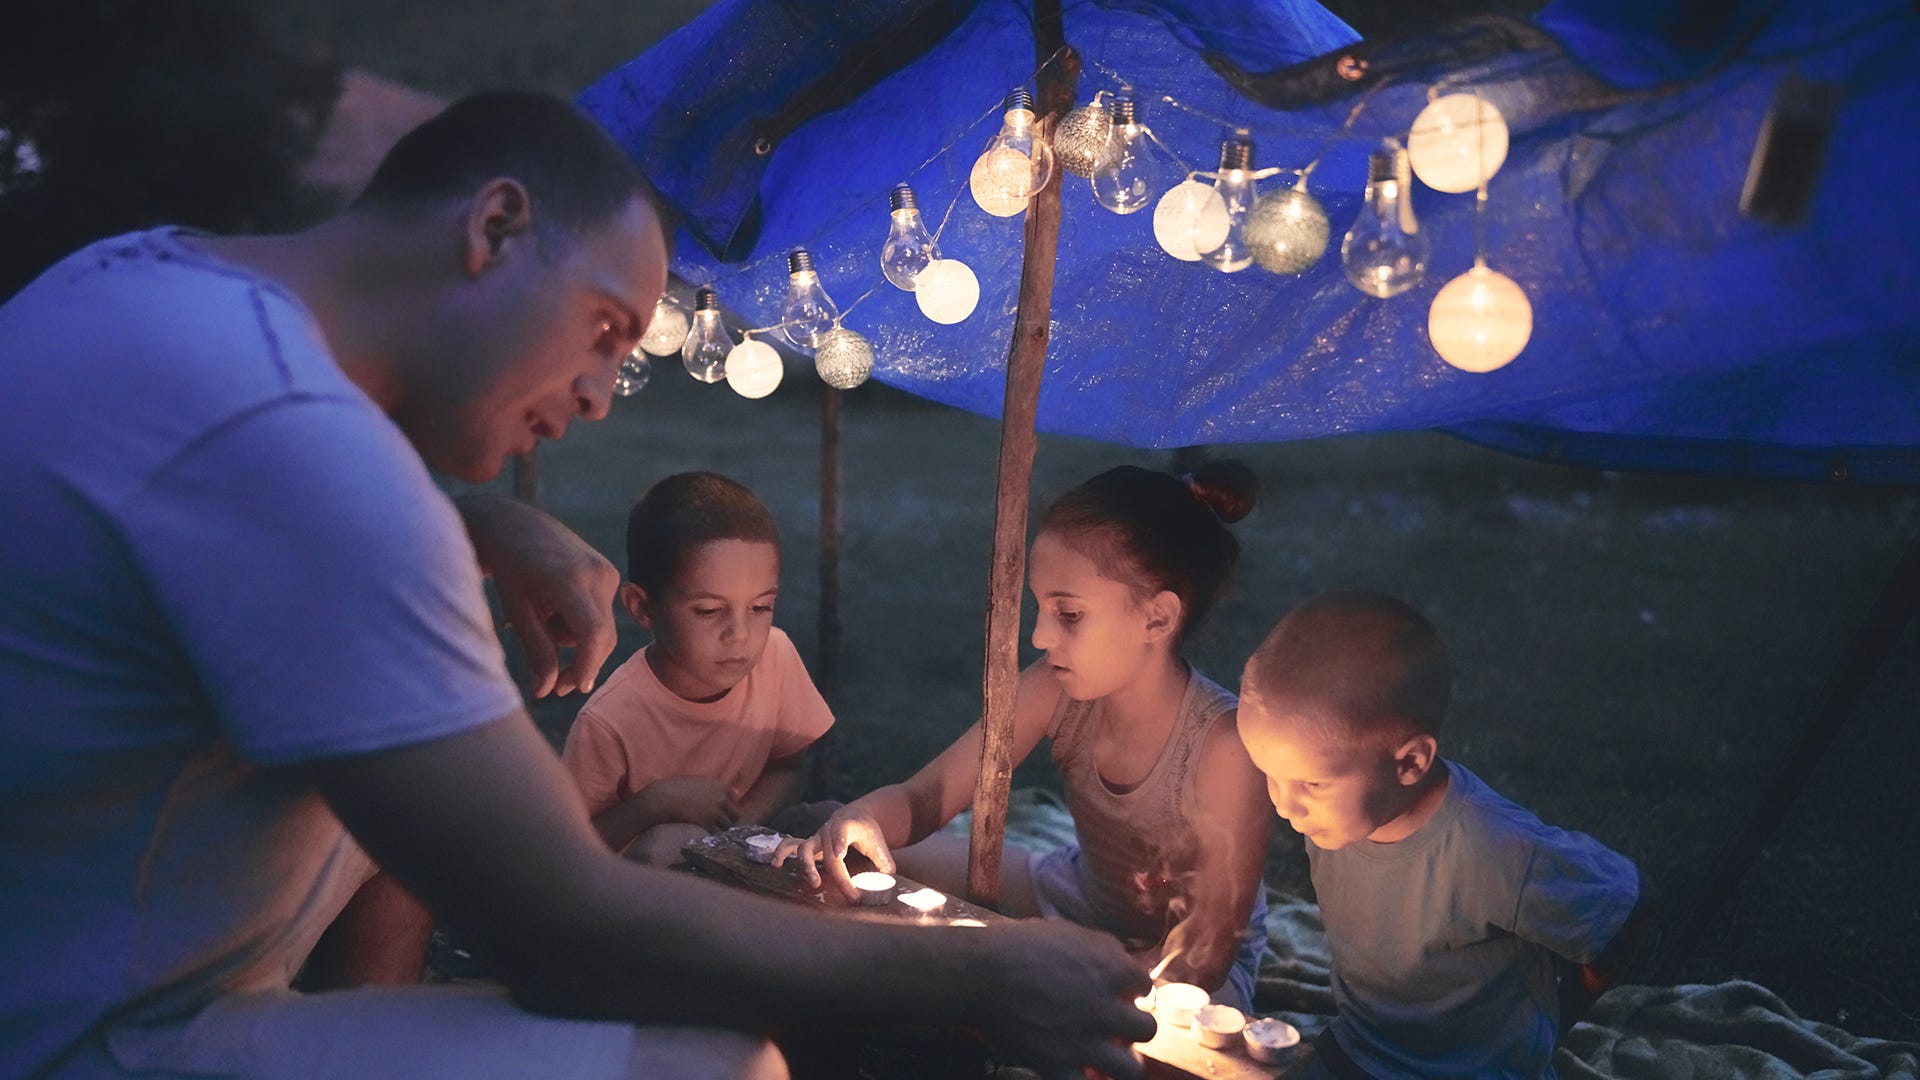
[{"x": 236, "y": 615}]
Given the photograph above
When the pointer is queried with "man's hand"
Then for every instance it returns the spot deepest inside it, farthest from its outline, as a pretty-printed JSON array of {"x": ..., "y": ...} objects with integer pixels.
[
  {"x": 556, "y": 589},
  {"x": 1059, "y": 998},
  {"x": 849, "y": 827},
  {"x": 692, "y": 800}
]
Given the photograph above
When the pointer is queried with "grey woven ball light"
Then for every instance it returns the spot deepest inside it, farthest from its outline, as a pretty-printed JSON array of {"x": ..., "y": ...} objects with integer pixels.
[
  {"x": 1084, "y": 140},
  {"x": 1287, "y": 230},
  {"x": 843, "y": 358}
]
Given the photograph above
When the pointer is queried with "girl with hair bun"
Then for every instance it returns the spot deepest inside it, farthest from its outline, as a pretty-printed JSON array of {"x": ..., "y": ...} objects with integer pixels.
[{"x": 1170, "y": 813}]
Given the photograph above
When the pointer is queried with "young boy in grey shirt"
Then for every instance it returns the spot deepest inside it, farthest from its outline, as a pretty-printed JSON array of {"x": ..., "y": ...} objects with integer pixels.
[{"x": 1450, "y": 912}]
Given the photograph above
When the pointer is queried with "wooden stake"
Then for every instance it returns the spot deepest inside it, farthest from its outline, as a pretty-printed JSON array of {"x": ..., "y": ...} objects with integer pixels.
[
  {"x": 826, "y": 672},
  {"x": 1026, "y": 359}
]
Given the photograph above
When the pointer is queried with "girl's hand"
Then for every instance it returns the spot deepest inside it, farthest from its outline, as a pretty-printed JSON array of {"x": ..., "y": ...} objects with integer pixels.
[{"x": 849, "y": 827}]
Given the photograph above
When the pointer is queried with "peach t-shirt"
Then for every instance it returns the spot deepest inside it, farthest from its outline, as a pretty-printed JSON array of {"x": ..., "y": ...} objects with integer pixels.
[{"x": 634, "y": 731}]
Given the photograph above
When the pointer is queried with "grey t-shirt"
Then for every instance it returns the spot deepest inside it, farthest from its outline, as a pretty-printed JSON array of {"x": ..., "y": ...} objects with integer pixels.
[{"x": 1444, "y": 943}]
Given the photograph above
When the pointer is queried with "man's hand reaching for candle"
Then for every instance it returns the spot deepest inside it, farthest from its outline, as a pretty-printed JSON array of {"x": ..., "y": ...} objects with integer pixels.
[
  {"x": 1058, "y": 998},
  {"x": 850, "y": 827}
]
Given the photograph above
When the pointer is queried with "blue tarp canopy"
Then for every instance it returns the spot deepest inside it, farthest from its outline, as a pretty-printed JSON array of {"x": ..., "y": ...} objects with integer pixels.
[{"x": 1670, "y": 330}]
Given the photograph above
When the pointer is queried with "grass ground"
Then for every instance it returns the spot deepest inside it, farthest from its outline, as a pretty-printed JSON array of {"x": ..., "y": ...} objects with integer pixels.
[{"x": 1634, "y": 654}]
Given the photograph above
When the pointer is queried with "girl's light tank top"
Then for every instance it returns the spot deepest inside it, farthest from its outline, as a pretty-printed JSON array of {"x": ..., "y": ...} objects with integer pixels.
[{"x": 1138, "y": 846}]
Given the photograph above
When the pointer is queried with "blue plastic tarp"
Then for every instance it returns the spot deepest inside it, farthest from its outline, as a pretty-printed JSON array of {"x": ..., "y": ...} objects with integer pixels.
[{"x": 1670, "y": 331}]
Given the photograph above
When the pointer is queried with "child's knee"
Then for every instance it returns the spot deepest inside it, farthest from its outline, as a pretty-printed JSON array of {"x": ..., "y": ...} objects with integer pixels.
[
  {"x": 660, "y": 845},
  {"x": 703, "y": 1054}
]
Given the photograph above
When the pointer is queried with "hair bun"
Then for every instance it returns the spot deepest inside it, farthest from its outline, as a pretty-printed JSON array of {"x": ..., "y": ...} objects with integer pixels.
[{"x": 1227, "y": 487}]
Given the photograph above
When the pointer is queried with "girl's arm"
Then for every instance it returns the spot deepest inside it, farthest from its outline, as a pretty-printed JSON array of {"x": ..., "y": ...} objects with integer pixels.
[
  {"x": 1233, "y": 824},
  {"x": 906, "y": 813}
]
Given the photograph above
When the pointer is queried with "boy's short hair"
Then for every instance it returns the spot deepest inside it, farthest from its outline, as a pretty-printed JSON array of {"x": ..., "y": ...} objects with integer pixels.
[
  {"x": 684, "y": 511},
  {"x": 577, "y": 176},
  {"x": 1373, "y": 666}
]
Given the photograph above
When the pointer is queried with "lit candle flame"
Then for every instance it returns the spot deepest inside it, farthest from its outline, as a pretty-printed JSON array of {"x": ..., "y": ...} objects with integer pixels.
[{"x": 1162, "y": 965}]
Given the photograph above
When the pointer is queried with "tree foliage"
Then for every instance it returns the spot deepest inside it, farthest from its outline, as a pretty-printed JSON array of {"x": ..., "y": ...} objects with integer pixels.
[{"x": 122, "y": 114}]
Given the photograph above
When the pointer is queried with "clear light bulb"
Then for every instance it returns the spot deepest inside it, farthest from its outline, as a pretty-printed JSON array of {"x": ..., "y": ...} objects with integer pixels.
[
  {"x": 1084, "y": 140},
  {"x": 633, "y": 374},
  {"x": 754, "y": 368},
  {"x": 1234, "y": 185},
  {"x": 1385, "y": 253},
  {"x": 808, "y": 311},
  {"x": 1015, "y": 164},
  {"x": 1132, "y": 175},
  {"x": 843, "y": 358},
  {"x": 1480, "y": 320},
  {"x": 708, "y": 343},
  {"x": 1457, "y": 143},
  {"x": 948, "y": 291},
  {"x": 909, "y": 248},
  {"x": 1287, "y": 230},
  {"x": 667, "y": 330},
  {"x": 1188, "y": 218}
]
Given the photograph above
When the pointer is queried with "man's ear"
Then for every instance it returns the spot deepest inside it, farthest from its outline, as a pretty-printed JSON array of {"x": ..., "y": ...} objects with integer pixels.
[
  {"x": 1414, "y": 757},
  {"x": 634, "y": 599},
  {"x": 1163, "y": 614},
  {"x": 498, "y": 218}
]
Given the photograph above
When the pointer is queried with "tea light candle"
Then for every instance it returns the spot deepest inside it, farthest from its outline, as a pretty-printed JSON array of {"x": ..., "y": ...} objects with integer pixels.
[
  {"x": 1175, "y": 1003},
  {"x": 760, "y": 847},
  {"x": 1267, "y": 1037},
  {"x": 1218, "y": 1026},
  {"x": 874, "y": 886},
  {"x": 924, "y": 901}
]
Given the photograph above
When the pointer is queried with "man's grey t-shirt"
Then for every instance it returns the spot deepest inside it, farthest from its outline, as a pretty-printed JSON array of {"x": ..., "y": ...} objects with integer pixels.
[
  {"x": 1444, "y": 943},
  {"x": 217, "y": 556}
]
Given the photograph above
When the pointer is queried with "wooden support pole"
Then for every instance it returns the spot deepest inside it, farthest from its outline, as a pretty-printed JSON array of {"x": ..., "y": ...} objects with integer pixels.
[
  {"x": 826, "y": 674},
  {"x": 526, "y": 478},
  {"x": 1026, "y": 359}
]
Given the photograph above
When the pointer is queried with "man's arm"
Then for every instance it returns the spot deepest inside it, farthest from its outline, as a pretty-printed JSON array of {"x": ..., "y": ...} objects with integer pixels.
[
  {"x": 556, "y": 589},
  {"x": 486, "y": 829}
]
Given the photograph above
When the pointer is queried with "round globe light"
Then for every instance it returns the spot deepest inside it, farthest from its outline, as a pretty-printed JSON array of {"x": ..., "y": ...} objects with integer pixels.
[
  {"x": 843, "y": 358},
  {"x": 1480, "y": 320},
  {"x": 666, "y": 331},
  {"x": 1002, "y": 181},
  {"x": 1189, "y": 219},
  {"x": 754, "y": 368},
  {"x": 1286, "y": 230},
  {"x": 947, "y": 291},
  {"x": 1084, "y": 141},
  {"x": 1457, "y": 143}
]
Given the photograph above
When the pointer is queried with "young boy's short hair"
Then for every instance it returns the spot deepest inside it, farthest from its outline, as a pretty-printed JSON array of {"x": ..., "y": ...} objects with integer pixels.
[
  {"x": 1373, "y": 668},
  {"x": 682, "y": 512}
]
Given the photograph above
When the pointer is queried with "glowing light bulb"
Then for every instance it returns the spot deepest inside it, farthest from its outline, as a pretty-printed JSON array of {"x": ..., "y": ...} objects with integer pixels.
[
  {"x": 1385, "y": 253},
  {"x": 667, "y": 330},
  {"x": 1286, "y": 230},
  {"x": 633, "y": 374},
  {"x": 808, "y": 311},
  {"x": 948, "y": 291},
  {"x": 1457, "y": 142},
  {"x": 843, "y": 358},
  {"x": 1234, "y": 185},
  {"x": 1084, "y": 140},
  {"x": 1131, "y": 176},
  {"x": 1190, "y": 215},
  {"x": 1015, "y": 163},
  {"x": 707, "y": 345},
  {"x": 909, "y": 248},
  {"x": 1480, "y": 320},
  {"x": 754, "y": 368}
]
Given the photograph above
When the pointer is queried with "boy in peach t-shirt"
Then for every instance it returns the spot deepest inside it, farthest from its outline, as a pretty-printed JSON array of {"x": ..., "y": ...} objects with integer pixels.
[{"x": 707, "y": 726}]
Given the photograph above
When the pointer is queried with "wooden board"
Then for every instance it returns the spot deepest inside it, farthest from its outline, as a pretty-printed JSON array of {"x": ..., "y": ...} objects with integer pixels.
[
  {"x": 724, "y": 856},
  {"x": 1174, "y": 1054}
]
